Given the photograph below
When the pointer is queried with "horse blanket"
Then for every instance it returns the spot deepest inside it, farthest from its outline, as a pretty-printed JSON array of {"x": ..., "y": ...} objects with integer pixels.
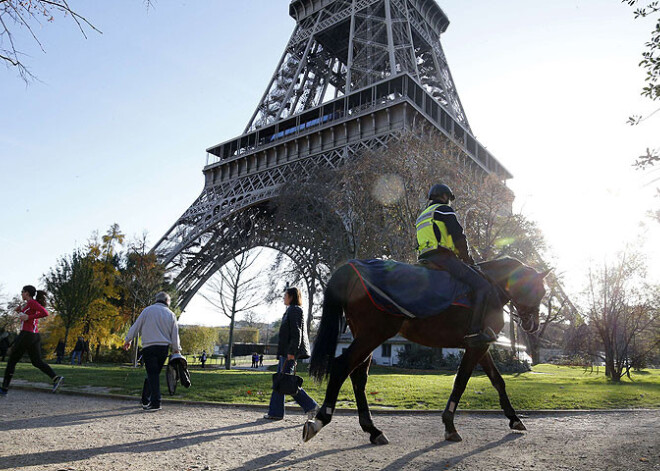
[{"x": 409, "y": 290}]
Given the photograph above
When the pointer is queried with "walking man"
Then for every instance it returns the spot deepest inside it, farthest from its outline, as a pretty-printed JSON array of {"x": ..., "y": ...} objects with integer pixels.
[{"x": 158, "y": 328}]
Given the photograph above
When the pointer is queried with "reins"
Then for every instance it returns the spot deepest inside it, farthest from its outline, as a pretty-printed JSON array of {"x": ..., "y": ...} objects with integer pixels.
[{"x": 505, "y": 296}]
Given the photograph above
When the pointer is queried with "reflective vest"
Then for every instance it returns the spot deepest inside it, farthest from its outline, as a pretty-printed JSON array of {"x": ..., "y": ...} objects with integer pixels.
[{"x": 431, "y": 233}]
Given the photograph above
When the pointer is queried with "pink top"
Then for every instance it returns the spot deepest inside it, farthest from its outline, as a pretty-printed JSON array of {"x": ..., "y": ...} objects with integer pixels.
[{"x": 34, "y": 311}]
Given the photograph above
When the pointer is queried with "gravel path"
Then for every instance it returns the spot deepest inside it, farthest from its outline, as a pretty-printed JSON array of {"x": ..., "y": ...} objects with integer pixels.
[{"x": 40, "y": 431}]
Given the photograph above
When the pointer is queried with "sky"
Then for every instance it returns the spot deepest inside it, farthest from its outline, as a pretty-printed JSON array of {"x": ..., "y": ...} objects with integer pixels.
[{"x": 116, "y": 127}]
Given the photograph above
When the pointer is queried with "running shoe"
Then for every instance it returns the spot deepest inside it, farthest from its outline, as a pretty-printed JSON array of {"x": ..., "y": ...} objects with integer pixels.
[
  {"x": 57, "y": 382},
  {"x": 150, "y": 408},
  {"x": 3, "y": 392}
]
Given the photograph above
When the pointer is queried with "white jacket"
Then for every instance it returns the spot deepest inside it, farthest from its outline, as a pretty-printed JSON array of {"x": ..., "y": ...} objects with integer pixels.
[{"x": 157, "y": 326}]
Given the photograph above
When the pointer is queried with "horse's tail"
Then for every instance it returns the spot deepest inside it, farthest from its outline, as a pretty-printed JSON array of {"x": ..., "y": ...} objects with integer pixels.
[{"x": 334, "y": 300}]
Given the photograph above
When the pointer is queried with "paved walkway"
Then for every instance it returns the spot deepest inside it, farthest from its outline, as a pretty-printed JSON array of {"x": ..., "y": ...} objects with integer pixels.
[{"x": 42, "y": 431}]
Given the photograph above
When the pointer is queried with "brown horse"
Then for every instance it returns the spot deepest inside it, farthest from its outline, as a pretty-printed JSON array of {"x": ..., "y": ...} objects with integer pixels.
[{"x": 344, "y": 295}]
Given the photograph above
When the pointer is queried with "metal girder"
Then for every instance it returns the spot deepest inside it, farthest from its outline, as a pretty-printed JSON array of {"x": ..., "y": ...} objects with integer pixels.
[
  {"x": 351, "y": 44},
  {"x": 385, "y": 62}
]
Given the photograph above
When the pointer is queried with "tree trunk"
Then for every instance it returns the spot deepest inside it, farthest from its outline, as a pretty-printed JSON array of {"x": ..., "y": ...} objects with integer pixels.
[
  {"x": 610, "y": 371},
  {"x": 230, "y": 345},
  {"x": 512, "y": 333},
  {"x": 310, "y": 316},
  {"x": 534, "y": 343},
  {"x": 311, "y": 290},
  {"x": 66, "y": 336}
]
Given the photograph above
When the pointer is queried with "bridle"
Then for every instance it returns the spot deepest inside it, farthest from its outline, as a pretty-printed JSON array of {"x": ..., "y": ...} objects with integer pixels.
[{"x": 520, "y": 312}]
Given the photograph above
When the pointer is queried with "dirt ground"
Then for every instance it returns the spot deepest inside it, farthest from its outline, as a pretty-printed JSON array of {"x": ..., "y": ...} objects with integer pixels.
[{"x": 41, "y": 431}]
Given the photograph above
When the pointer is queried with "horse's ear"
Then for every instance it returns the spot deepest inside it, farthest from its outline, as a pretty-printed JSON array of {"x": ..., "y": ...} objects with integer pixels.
[{"x": 546, "y": 272}]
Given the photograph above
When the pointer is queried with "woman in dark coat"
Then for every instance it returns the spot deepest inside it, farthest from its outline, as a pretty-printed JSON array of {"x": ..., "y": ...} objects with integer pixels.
[{"x": 293, "y": 344}]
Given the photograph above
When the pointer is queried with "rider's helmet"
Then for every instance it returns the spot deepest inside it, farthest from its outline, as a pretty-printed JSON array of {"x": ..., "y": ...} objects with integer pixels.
[{"x": 438, "y": 190}]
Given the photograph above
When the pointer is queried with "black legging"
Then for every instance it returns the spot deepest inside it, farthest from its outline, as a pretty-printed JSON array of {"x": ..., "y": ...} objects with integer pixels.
[{"x": 30, "y": 342}]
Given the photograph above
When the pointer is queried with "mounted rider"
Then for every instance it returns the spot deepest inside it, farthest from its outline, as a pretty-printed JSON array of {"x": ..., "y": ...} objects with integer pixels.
[{"x": 441, "y": 241}]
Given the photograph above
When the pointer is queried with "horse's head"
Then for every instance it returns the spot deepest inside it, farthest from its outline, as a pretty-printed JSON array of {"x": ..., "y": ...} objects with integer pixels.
[{"x": 524, "y": 287}]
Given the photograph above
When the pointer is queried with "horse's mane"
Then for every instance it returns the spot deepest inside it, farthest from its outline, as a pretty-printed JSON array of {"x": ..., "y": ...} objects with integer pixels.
[{"x": 502, "y": 267}]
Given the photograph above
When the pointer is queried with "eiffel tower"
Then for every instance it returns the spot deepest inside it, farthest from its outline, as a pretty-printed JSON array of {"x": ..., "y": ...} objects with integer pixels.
[{"x": 354, "y": 75}]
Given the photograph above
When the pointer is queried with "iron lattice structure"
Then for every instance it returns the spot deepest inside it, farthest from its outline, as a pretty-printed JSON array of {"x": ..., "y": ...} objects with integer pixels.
[{"x": 355, "y": 75}]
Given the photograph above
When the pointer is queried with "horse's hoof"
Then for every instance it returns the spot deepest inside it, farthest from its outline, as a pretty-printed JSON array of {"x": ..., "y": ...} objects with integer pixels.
[
  {"x": 453, "y": 437},
  {"x": 380, "y": 440},
  {"x": 518, "y": 425},
  {"x": 311, "y": 428}
]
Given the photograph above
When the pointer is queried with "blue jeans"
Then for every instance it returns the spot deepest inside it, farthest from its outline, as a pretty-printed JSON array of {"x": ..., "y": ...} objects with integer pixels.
[
  {"x": 76, "y": 355},
  {"x": 276, "y": 408},
  {"x": 154, "y": 358}
]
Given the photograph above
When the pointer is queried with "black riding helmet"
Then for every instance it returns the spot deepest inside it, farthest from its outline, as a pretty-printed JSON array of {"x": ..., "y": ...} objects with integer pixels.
[{"x": 438, "y": 190}]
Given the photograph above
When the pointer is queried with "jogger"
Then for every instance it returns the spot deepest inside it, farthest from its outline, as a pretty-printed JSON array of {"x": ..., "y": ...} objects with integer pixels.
[{"x": 29, "y": 339}]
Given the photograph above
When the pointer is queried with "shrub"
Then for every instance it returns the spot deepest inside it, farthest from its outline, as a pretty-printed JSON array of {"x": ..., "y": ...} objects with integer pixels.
[
  {"x": 424, "y": 358},
  {"x": 508, "y": 362},
  {"x": 113, "y": 355}
]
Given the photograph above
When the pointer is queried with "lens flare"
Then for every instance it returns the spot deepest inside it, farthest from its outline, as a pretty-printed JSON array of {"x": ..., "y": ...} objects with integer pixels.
[
  {"x": 388, "y": 189},
  {"x": 504, "y": 242}
]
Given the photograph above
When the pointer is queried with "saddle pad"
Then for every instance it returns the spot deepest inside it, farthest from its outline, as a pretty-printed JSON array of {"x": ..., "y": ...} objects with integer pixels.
[{"x": 409, "y": 290}]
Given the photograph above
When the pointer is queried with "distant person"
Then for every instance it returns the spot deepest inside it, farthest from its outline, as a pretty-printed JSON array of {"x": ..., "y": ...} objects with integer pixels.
[
  {"x": 159, "y": 330},
  {"x": 4, "y": 345},
  {"x": 293, "y": 344},
  {"x": 261, "y": 359},
  {"x": 28, "y": 339},
  {"x": 59, "y": 351},
  {"x": 76, "y": 355},
  {"x": 203, "y": 358}
]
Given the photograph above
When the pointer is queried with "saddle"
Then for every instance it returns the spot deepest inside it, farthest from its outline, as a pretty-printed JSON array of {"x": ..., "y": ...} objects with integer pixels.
[
  {"x": 422, "y": 262},
  {"x": 412, "y": 291}
]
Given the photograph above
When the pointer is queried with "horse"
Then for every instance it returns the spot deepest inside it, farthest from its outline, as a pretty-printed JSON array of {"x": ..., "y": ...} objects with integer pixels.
[{"x": 345, "y": 301}]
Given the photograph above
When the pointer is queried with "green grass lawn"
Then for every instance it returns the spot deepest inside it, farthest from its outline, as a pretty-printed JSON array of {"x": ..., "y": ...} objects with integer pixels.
[{"x": 547, "y": 387}]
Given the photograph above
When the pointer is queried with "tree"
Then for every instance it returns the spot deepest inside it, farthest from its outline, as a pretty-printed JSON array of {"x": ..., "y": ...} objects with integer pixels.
[
  {"x": 104, "y": 320},
  {"x": 195, "y": 338},
  {"x": 234, "y": 289},
  {"x": 375, "y": 199},
  {"x": 73, "y": 288},
  {"x": 9, "y": 321},
  {"x": 623, "y": 313},
  {"x": 557, "y": 309},
  {"x": 382, "y": 213},
  {"x": 30, "y": 16},
  {"x": 251, "y": 319},
  {"x": 651, "y": 64},
  {"x": 141, "y": 278},
  {"x": 240, "y": 335},
  {"x": 651, "y": 55}
]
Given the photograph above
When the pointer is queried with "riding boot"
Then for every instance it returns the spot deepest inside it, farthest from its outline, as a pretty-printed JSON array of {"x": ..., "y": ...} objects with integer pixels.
[{"x": 477, "y": 337}]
